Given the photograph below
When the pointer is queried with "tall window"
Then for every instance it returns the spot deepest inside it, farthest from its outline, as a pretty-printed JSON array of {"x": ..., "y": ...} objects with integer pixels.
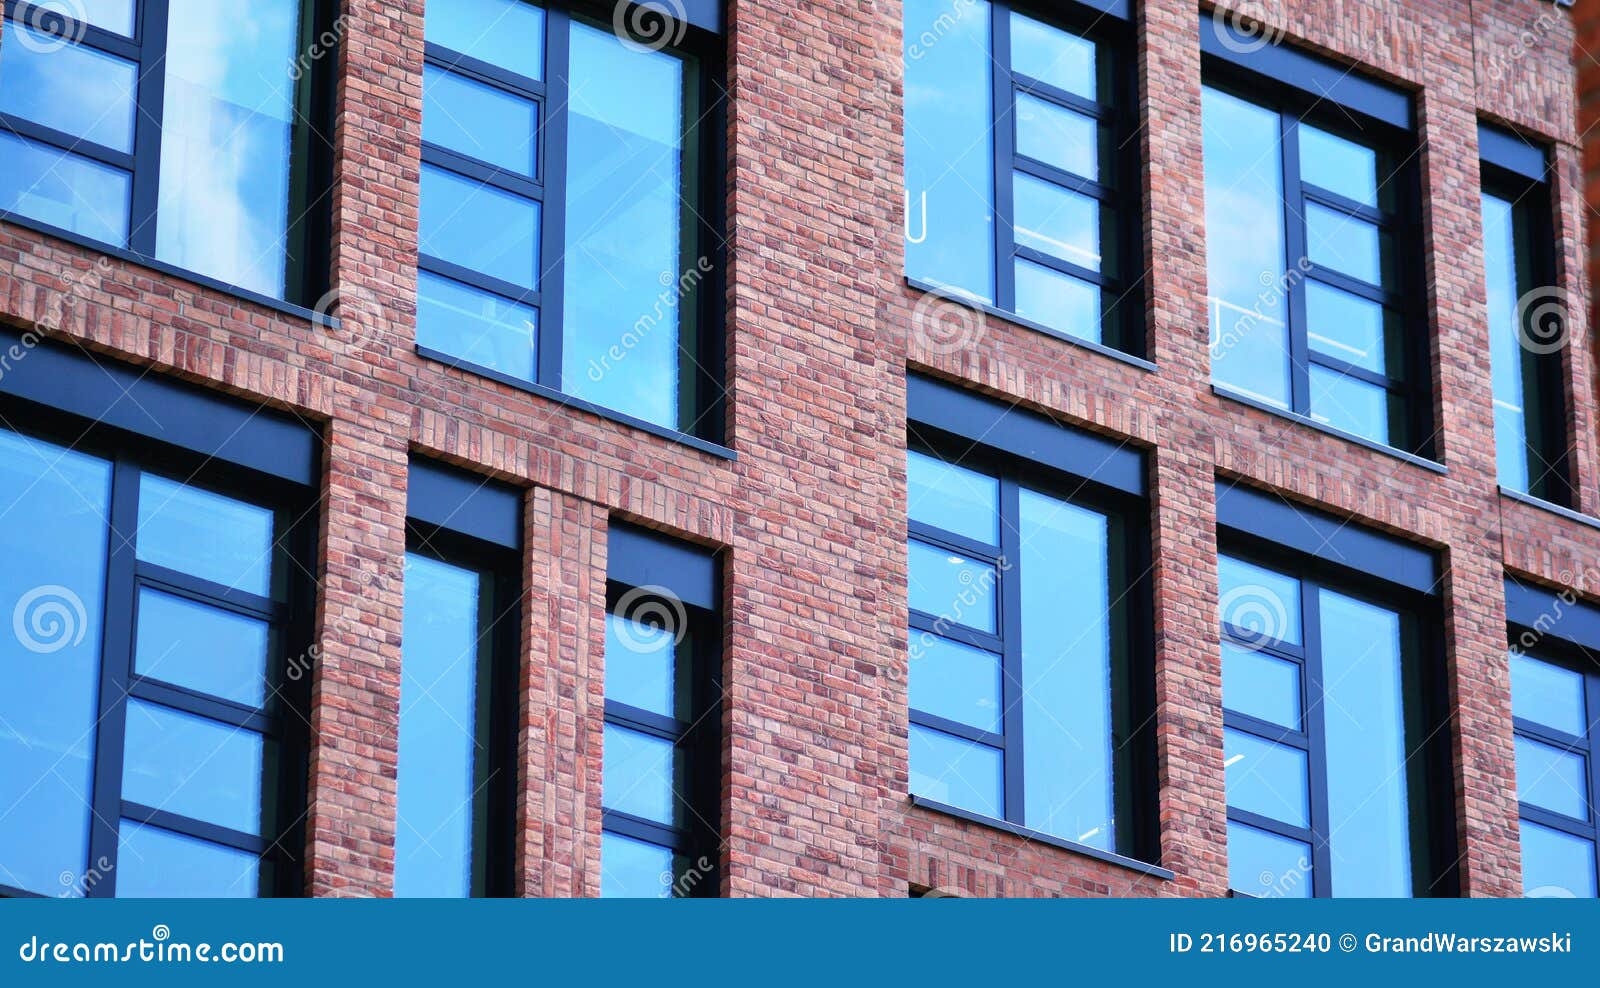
[
  {"x": 177, "y": 130},
  {"x": 567, "y": 235},
  {"x": 1555, "y": 703},
  {"x": 1018, "y": 192}
]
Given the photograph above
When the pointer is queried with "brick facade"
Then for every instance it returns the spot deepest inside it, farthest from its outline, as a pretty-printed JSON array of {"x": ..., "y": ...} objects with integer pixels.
[{"x": 811, "y": 514}]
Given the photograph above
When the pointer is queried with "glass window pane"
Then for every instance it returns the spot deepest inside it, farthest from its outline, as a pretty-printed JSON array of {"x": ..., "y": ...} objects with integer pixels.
[
  {"x": 1067, "y": 644},
  {"x": 1053, "y": 56},
  {"x": 506, "y": 33},
  {"x": 206, "y": 535},
  {"x": 642, "y": 667},
  {"x": 443, "y": 761},
  {"x": 194, "y": 766},
  {"x": 1364, "y": 722},
  {"x": 158, "y": 864},
  {"x": 1058, "y": 136},
  {"x": 1507, "y": 276},
  {"x": 63, "y": 190},
  {"x": 1556, "y": 865},
  {"x": 1338, "y": 165},
  {"x": 227, "y": 120},
  {"x": 1259, "y": 603},
  {"x": 631, "y": 275},
  {"x": 1351, "y": 404},
  {"x": 949, "y": 115},
  {"x": 477, "y": 326},
  {"x": 1059, "y": 301},
  {"x": 1060, "y": 223},
  {"x": 955, "y": 681},
  {"x": 948, "y": 585},
  {"x": 953, "y": 498},
  {"x": 115, "y": 16},
  {"x": 479, "y": 227},
  {"x": 1548, "y": 694},
  {"x": 480, "y": 121},
  {"x": 956, "y": 772},
  {"x": 1346, "y": 327},
  {"x": 1260, "y": 685},
  {"x": 72, "y": 88},
  {"x": 1347, "y": 245},
  {"x": 54, "y": 506},
  {"x": 1272, "y": 780},
  {"x": 643, "y": 776},
  {"x": 1267, "y": 866},
  {"x": 202, "y": 648},
  {"x": 634, "y": 869},
  {"x": 1554, "y": 779}
]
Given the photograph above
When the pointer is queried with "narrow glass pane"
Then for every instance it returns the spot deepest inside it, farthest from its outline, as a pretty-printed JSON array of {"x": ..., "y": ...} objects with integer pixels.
[
  {"x": 1507, "y": 276},
  {"x": 1058, "y": 136},
  {"x": 1338, "y": 165},
  {"x": 1346, "y": 327},
  {"x": 1556, "y": 865},
  {"x": 1548, "y": 694},
  {"x": 1260, "y": 603},
  {"x": 955, "y": 681},
  {"x": 226, "y": 125},
  {"x": 949, "y": 115},
  {"x": 1260, "y": 685},
  {"x": 1053, "y": 56},
  {"x": 1364, "y": 723},
  {"x": 1059, "y": 301},
  {"x": 1272, "y": 780},
  {"x": 479, "y": 227},
  {"x": 1266, "y": 865},
  {"x": 957, "y": 772},
  {"x": 54, "y": 506},
  {"x": 72, "y": 88},
  {"x": 1060, "y": 223},
  {"x": 206, "y": 535},
  {"x": 948, "y": 585},
  {"x": 643, "y": 776},
  {"x": 63, "y": 190},
  {"x": 642, "y": 667},
  {"x": 632, "y": 274},
  {"x": 634, "y": 869},
  {"x": 158, "y": 864},
  {"x": 1346, "y": 244},
  {"x": 202, "y": 648},
  {"x": 505, "y": 33},
  {"x": 477, "y": 326},
  {"x": 443, "y": 761},
  {"x": 1245, "y": 248},
  {"x": 480, "y": 121},
  {"x": 194, "y": 766},
  {"x": 1554, "y": 779},
  {"x": 1351, "y": 404},
  {"x": 953, "y": 498},
  {"x": 115, "y": 16}
]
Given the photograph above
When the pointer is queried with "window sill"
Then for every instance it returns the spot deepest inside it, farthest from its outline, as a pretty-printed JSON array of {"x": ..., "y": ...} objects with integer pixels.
[
  {"x": 578, "y": 404},
  {"x": 1132, "y": 864},
  {"x": 1350, "y": 437},
  {"x": 173, "y": 271},
  {"x": 1549, "y": 506},
  {"x": 1016, "y": 320}
]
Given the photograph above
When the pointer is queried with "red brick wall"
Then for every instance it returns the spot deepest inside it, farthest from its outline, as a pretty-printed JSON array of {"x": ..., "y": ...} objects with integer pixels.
[{"x": 811, "y": 514}]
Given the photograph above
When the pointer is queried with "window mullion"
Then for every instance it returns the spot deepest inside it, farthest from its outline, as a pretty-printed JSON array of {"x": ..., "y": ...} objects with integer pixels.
[
  {"x": 1296, "y": 250},
  {"x": 1311, "y": 625},
  {"x": 553, "y": 211},
  {"x": 1004, "y": 131},
  {"x": 151, "y": 99},
  {"x": 1011, "y": 646}
]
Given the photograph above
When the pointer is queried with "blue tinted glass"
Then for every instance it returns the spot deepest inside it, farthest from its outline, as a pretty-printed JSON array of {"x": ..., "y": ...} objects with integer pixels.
[
  {"x": 441, "y": 758},
  {"x": 202, "y": 648},
  {"x": 64, "y": 190},
  {"x": 1351, "y": 404},
  {"x": 1052, "y": 56},
  {"x": 1505, "y": 284},
  {"x": 1548, "y": 694},
  {"x": 480, "y": 121},
  {"x": 1346, "y": 244},
  {"x": 193, "y": 766},
  {"x": 955, "y": 681},
  {"x": 642, "y": 775},
  {"x": 948, "y": 585},
  {"x": 953, "y": 498},
  {"x": 227, "y": 119},
  {"x": 641, "y": 666},
  {"x": 1554, "y": 779},
  {"x": 1058, "y": 136},
  {"x": 1338, "y": 165},
  {"x": 1245, "y": 248},
  {"x": 1268, "y": 866},
  {"x": 630, "y": 279},
  {"x": 505, "y": 33},
  {"x": 477, "y": 326},
  {"x": 76, "y": 90},
  {"x": 634, "y": 869},
  {"x": 1059, "y": 301},
  {"x": 949, "y": 114},
  {"x": 479, "y": 227},
  {"x": 1260, "y": 685},
  {"x": 54, "y": 506},
  {"x": 158, "y": 864},
  {"x": 1369, "y": 824},
  {"x": 1066, "y": 671},
  {"x": 207, "y": 535},
  {"x": 1346, "y": 327},
  {"x": 1271, "y": 780},
  {"x": 115, "y": 16},
  {"x": 1258, "y": 603},
  {"x": 956, "y": 772},
  {"x": 1060, "y": 223},
  {"x": 1556, "y": 865}
]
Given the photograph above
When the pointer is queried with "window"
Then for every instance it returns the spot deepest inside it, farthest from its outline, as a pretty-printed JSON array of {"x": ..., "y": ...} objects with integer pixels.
[
  {"x": 1310, "y": 247},
  {"x": 661, "y": 778},
  {"x": 1020, "y": 192},
  {"x": 567, "y": 238},
  {"x": 1554, "y": 701},
  {"x": 177, "y": 131}
]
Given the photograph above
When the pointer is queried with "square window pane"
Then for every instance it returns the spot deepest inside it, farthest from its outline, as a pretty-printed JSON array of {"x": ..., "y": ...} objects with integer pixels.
[
  {"x": 71, "y": 88},
  {"x": 955, "y": 681},
  {"x": 1548, "y": 694},
  {"x": 1348, "y": 245},
  {"x": 953, "y": 498},
  {"x": 1260, "y": 685},
  {"x": 480, "y": 121},
  {"x": 1266, "y": 865},
  {"x": 505, "y": 33},
  {"x": 634, "y": 869},
  {"x": 63, "y": 190},
  {"x": 1261, "y": 604},
  {"x": 206, "y": 535},
  {"x": 1348, "y": 327},
  {"x": 1060, "y": 301},
  {"x": 957, "y": 772},
  {"x": 1060, "y": 223},
  {"x": 643, "y": 775},
  {"x": 478, "y": 327},
  {"x": 1271, "y": 780},
  {"x": 1556, "y": 865},
  {"x": 480, "y": 227},
  {"x": 158, "y": 864},
  {"x": 1352, "y": 405},
  {"x": 948, "y": 585},
  {"x": 1053, "y": 56},
  {"x": 1554, "y": 779},
  {"x": 642, "y": 667},
  {"x": 1058, "y": 136},
  {"x": 194, "y": 766},
  {"x": 202, "y": 648},
  {"x": 1338, "y": 165}
]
